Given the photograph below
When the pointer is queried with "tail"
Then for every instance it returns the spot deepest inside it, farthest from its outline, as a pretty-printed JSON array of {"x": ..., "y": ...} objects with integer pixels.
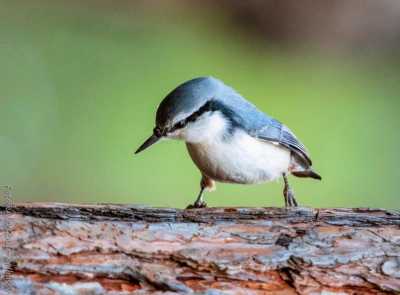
[{"x": 307, "y": 173}]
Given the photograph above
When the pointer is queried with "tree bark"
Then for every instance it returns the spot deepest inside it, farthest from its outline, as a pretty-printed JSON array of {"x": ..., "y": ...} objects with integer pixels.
[{"x": 52, "y": 248}]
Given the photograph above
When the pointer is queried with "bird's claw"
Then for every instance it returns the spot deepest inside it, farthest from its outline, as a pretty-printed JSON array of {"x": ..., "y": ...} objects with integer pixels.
[{"x": 197, "y": 205}]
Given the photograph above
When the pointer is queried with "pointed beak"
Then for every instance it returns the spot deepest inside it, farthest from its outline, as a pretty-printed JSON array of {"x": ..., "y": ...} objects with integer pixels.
[{"x": 150, "y": 141}]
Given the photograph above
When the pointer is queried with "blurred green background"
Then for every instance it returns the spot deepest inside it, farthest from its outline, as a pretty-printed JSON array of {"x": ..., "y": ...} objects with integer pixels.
[{"x": 80, "y": 83}]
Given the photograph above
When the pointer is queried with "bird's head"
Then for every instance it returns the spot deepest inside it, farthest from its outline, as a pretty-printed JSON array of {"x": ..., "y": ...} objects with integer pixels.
[{"x": 189, "y": 112}]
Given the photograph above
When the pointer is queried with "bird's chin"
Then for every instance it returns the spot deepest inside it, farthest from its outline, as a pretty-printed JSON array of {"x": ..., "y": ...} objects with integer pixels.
[{"x": 176, "y": 135}]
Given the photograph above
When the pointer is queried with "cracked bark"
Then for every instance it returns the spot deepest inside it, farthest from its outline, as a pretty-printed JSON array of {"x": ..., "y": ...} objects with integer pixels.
[{"x": 119, "y": 249}]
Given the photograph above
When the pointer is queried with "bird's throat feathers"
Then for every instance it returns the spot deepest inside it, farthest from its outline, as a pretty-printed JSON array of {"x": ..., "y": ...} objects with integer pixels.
[{"x": 208, "y": 127}]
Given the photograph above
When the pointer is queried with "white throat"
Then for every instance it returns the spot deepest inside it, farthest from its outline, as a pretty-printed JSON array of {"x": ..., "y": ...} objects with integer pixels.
[{"x": 208, "y": 127}]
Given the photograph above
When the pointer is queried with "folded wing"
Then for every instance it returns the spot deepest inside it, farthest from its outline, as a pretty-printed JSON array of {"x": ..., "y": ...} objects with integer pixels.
[{"x": 274, "y": 131}]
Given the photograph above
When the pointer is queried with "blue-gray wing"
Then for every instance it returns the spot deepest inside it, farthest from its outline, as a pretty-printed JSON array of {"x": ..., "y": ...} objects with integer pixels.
[
  {"x": 259, "y": 125},
  {"x": 274, "y": 131}
]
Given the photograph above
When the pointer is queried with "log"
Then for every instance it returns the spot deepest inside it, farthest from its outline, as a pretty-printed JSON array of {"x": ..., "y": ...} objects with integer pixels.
[{"x": 54, "y": 248}]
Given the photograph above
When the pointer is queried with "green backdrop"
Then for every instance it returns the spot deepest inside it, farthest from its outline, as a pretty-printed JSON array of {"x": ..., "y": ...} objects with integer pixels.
[{"x": 79, "y": 89}]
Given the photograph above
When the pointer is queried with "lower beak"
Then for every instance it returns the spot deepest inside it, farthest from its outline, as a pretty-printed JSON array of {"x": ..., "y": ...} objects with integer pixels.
[{"x": 150, "y": 141}]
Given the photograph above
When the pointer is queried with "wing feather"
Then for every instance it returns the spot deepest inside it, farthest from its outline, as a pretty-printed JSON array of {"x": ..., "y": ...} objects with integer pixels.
[
  {"x": 245, "y": 115},
  {"x": 275, "y": 131}
]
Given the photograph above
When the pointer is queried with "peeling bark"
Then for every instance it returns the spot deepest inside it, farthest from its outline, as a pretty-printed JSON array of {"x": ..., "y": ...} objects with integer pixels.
[{"x": 120, "y": 249}]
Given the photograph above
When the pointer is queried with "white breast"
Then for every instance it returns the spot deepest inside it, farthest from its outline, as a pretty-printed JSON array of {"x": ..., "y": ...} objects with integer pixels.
[{"x": 239, "y": 158}]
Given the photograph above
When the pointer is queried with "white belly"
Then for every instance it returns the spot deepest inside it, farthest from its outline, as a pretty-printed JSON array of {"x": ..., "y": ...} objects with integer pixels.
[{"x": 240, "y": 159}]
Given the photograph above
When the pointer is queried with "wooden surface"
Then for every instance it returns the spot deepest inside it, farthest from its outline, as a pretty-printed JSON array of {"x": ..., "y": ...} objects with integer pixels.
[{"x": 119, "y": 249}]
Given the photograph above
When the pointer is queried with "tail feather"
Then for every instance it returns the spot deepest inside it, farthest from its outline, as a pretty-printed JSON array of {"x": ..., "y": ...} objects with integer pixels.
[{"x": 307, "y": 173}]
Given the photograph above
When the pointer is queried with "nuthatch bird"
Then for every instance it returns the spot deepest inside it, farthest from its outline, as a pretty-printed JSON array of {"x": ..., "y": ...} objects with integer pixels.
[{"x": 228, "y": 138}]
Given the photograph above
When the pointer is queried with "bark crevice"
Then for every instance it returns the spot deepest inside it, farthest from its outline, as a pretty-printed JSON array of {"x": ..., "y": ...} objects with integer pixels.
[{"x": 119, "y": 249}]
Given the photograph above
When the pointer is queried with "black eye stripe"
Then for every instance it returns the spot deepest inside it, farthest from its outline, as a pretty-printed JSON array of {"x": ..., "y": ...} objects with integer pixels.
[{"x": 208, "y": 106}]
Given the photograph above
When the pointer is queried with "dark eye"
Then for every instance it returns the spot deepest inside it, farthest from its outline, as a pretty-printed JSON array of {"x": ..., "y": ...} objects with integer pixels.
[{"x": 157, "y": 131}]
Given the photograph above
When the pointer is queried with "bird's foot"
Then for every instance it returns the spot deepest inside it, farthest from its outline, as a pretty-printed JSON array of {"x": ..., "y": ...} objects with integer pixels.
[
  {"x": 290, "y": 200},
  {"x": 196, "y": 205}
]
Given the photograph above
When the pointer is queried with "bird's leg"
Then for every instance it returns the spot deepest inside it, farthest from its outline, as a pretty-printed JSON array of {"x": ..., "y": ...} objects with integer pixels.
[
  {"x": 288, "y": 193},
  {"x": 205, "y": 183}
]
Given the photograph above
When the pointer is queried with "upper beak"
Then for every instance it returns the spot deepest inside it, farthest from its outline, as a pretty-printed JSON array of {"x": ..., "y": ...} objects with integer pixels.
[{"x": 150, "y": 141}]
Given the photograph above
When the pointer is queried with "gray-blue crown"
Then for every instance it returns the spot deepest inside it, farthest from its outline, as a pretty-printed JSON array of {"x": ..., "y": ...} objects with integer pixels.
[{"x": 186, "y": 99}]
